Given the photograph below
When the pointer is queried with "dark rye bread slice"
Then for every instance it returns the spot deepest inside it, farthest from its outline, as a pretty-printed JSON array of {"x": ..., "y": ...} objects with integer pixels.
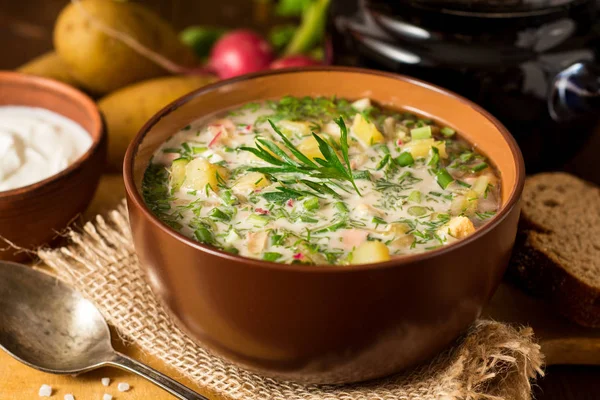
[{"x": 557, "y": 254}]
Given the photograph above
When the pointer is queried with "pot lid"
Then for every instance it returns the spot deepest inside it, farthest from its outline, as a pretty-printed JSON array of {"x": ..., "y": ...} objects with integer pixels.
[{"x": 491, "y": 7}]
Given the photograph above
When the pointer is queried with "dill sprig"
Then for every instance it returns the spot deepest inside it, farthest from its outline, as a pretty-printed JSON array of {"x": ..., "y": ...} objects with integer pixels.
[{"x": 328, "y": 168}]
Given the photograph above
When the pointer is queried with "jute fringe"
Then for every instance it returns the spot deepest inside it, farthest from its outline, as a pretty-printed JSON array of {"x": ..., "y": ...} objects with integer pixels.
[{"x": 493, "y": 361}]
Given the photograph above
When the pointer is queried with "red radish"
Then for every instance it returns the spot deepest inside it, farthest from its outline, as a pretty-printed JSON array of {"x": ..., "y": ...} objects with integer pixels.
[
  {"x": 240, "y": 52},
  {"x": 294, "y": 61},
  {"x": 215, "y": 138},
  {"x": 220, "y": 130}
]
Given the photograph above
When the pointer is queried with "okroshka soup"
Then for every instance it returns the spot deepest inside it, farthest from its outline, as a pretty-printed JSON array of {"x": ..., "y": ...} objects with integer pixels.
[{"x": 318, "y": 180}]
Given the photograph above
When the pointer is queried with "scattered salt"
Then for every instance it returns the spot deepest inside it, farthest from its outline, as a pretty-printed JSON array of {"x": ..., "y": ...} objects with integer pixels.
[
  {"x": 106, "y": 397},
  {"x": 69, "y": 397},
  {"x": 105, "y": 381},
  {"x": 123, "y": 387},
  {"x": 45, "y": 391}
]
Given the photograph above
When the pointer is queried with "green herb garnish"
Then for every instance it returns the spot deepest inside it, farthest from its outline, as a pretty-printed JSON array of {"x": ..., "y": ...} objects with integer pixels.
[
  {"x": 219, "y": 215},
  {"x": 479, "y": 167},
  {"x": 421, "y": 133},
  {"x": 328, "y": 168},
  {"x": 443, "y": 178},
  {"x": 405, "y": 159},
  {"x": 447, "y": 131},
  {"x": 204, "y": 235},
  {"x": 417, "y": 211},
  {"x": 271, "y": 256},
  {"x": 311, "y": 204}
]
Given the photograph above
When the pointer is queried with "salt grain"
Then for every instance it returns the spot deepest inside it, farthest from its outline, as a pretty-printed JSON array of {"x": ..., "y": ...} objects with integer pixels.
[
  {"x": 69, "y": 397},
  {"x": 123, "y": 387},
  {"x": 106, "y": 397},
  {"x": 45, "y": 391},
  {"x": 105, "y": 381}
]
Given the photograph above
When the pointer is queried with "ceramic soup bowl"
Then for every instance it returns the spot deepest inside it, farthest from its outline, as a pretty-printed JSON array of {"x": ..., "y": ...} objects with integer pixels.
[{"x": 326, "y": 324}]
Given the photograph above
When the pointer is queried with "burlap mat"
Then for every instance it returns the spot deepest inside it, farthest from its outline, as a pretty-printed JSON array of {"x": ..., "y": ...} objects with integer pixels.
[{"x": 492, "y": 361}]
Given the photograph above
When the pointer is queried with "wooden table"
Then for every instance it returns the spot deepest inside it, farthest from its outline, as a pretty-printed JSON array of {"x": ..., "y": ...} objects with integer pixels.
[
  {"x": 19, "y": 382},
  {"x": 26, "y": 31}
]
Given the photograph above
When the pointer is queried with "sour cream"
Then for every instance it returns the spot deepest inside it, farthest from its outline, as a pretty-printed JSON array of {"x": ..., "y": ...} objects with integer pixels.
[{"x": 35, "y": 144}]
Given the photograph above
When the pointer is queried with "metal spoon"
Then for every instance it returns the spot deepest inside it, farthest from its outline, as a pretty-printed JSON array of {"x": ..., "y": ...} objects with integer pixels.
[{"x": 49, "y": 326}]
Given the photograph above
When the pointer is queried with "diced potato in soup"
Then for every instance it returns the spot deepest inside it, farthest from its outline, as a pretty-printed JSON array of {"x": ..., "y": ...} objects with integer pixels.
[{"x": 317, "y": 180}]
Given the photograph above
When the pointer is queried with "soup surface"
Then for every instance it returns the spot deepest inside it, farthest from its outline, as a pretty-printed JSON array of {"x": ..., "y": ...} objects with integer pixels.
[{"x": 320, "y": 181}]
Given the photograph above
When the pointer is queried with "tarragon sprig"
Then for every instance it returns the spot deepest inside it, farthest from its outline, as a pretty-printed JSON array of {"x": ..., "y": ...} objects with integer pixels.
[{"x": 327, "y": 168}]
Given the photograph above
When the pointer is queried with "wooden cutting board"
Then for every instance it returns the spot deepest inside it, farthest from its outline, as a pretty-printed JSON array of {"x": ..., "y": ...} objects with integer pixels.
[{"x": 562, "y": 342}]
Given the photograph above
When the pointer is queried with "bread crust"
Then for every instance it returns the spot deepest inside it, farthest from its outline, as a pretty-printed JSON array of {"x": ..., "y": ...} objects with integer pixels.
[
  {"x": 537, "y": 273},
  {"x": 537, "y": 269}
]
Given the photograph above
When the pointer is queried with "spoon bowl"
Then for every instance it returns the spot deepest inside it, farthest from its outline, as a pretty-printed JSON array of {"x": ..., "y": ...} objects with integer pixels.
[{"x": 47, "y": 325}]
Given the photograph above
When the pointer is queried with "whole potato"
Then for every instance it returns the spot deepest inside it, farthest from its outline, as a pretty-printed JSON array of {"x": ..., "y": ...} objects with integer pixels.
[
  {"x": 49, "y": 65},
  {"x": 127, "y": 110},
  {"x": 103, "y": 64}
]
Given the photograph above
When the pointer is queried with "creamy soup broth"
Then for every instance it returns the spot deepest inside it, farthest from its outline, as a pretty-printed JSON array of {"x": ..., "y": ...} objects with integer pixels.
[{"x": 321, "y": 181}]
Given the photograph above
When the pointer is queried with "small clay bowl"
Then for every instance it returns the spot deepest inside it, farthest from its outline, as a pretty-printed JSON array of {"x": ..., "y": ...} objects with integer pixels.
[
  {"x": 326, "y": 324},
  {"x": 34, "y": 215}
]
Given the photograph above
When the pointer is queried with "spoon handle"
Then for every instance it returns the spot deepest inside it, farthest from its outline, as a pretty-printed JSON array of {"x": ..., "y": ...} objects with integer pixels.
[{"x": 159, "y": 379}]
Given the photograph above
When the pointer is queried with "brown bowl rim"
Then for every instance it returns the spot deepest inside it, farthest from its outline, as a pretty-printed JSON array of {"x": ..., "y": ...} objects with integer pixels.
[
  {"x": 138, "y": 202},
  {"x": 77, "y": 96}
]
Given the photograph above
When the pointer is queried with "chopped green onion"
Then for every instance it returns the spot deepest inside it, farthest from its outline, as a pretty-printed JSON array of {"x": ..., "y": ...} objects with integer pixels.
[
  {"x": 332, "y": 228},
  {"x": 232, "y": 236},
  {"x": 383, "y": 162},
  {"x": 479, "y": 167},
  {"x": 415, "y": 196},
  {"x": 228, "y": 197},
  {"x": 417, "y": 211},
  {"x": 481, "y": 184},
  {"x": 384, "y": 149},
  {"x": 203, "y": 235},
  {"x": 258, "y": 220},
  {"x": 308, "y": 219},
  {"x": 366, "y": 175},
  {"x": 444, "y": 217},
  {"x": 271, "y": 256},
  {"x": 379, "y": 221},
  {"x": 198, "y": 149},
  {"x": 434, "y": 161},
  {"x": 405, "y": 159},
  {"x": 485, "y": 215},
  {"x": 341, "y": 207},
  {"x": 219, "y": 215},
  {"x": 277, "y": 240},
  {"x": 311, "y": 204},
  {"x": 463, "y": 183},
  {"x": 443, "y": 178},
  {"x": 447, "y": 131},
  {"x": 466, "y": 156},
  {"x": 421, "y": 133}
]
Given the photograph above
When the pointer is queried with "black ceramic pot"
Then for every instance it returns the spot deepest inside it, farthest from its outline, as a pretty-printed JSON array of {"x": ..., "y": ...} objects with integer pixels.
[{"x": 531, "y": 63}]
